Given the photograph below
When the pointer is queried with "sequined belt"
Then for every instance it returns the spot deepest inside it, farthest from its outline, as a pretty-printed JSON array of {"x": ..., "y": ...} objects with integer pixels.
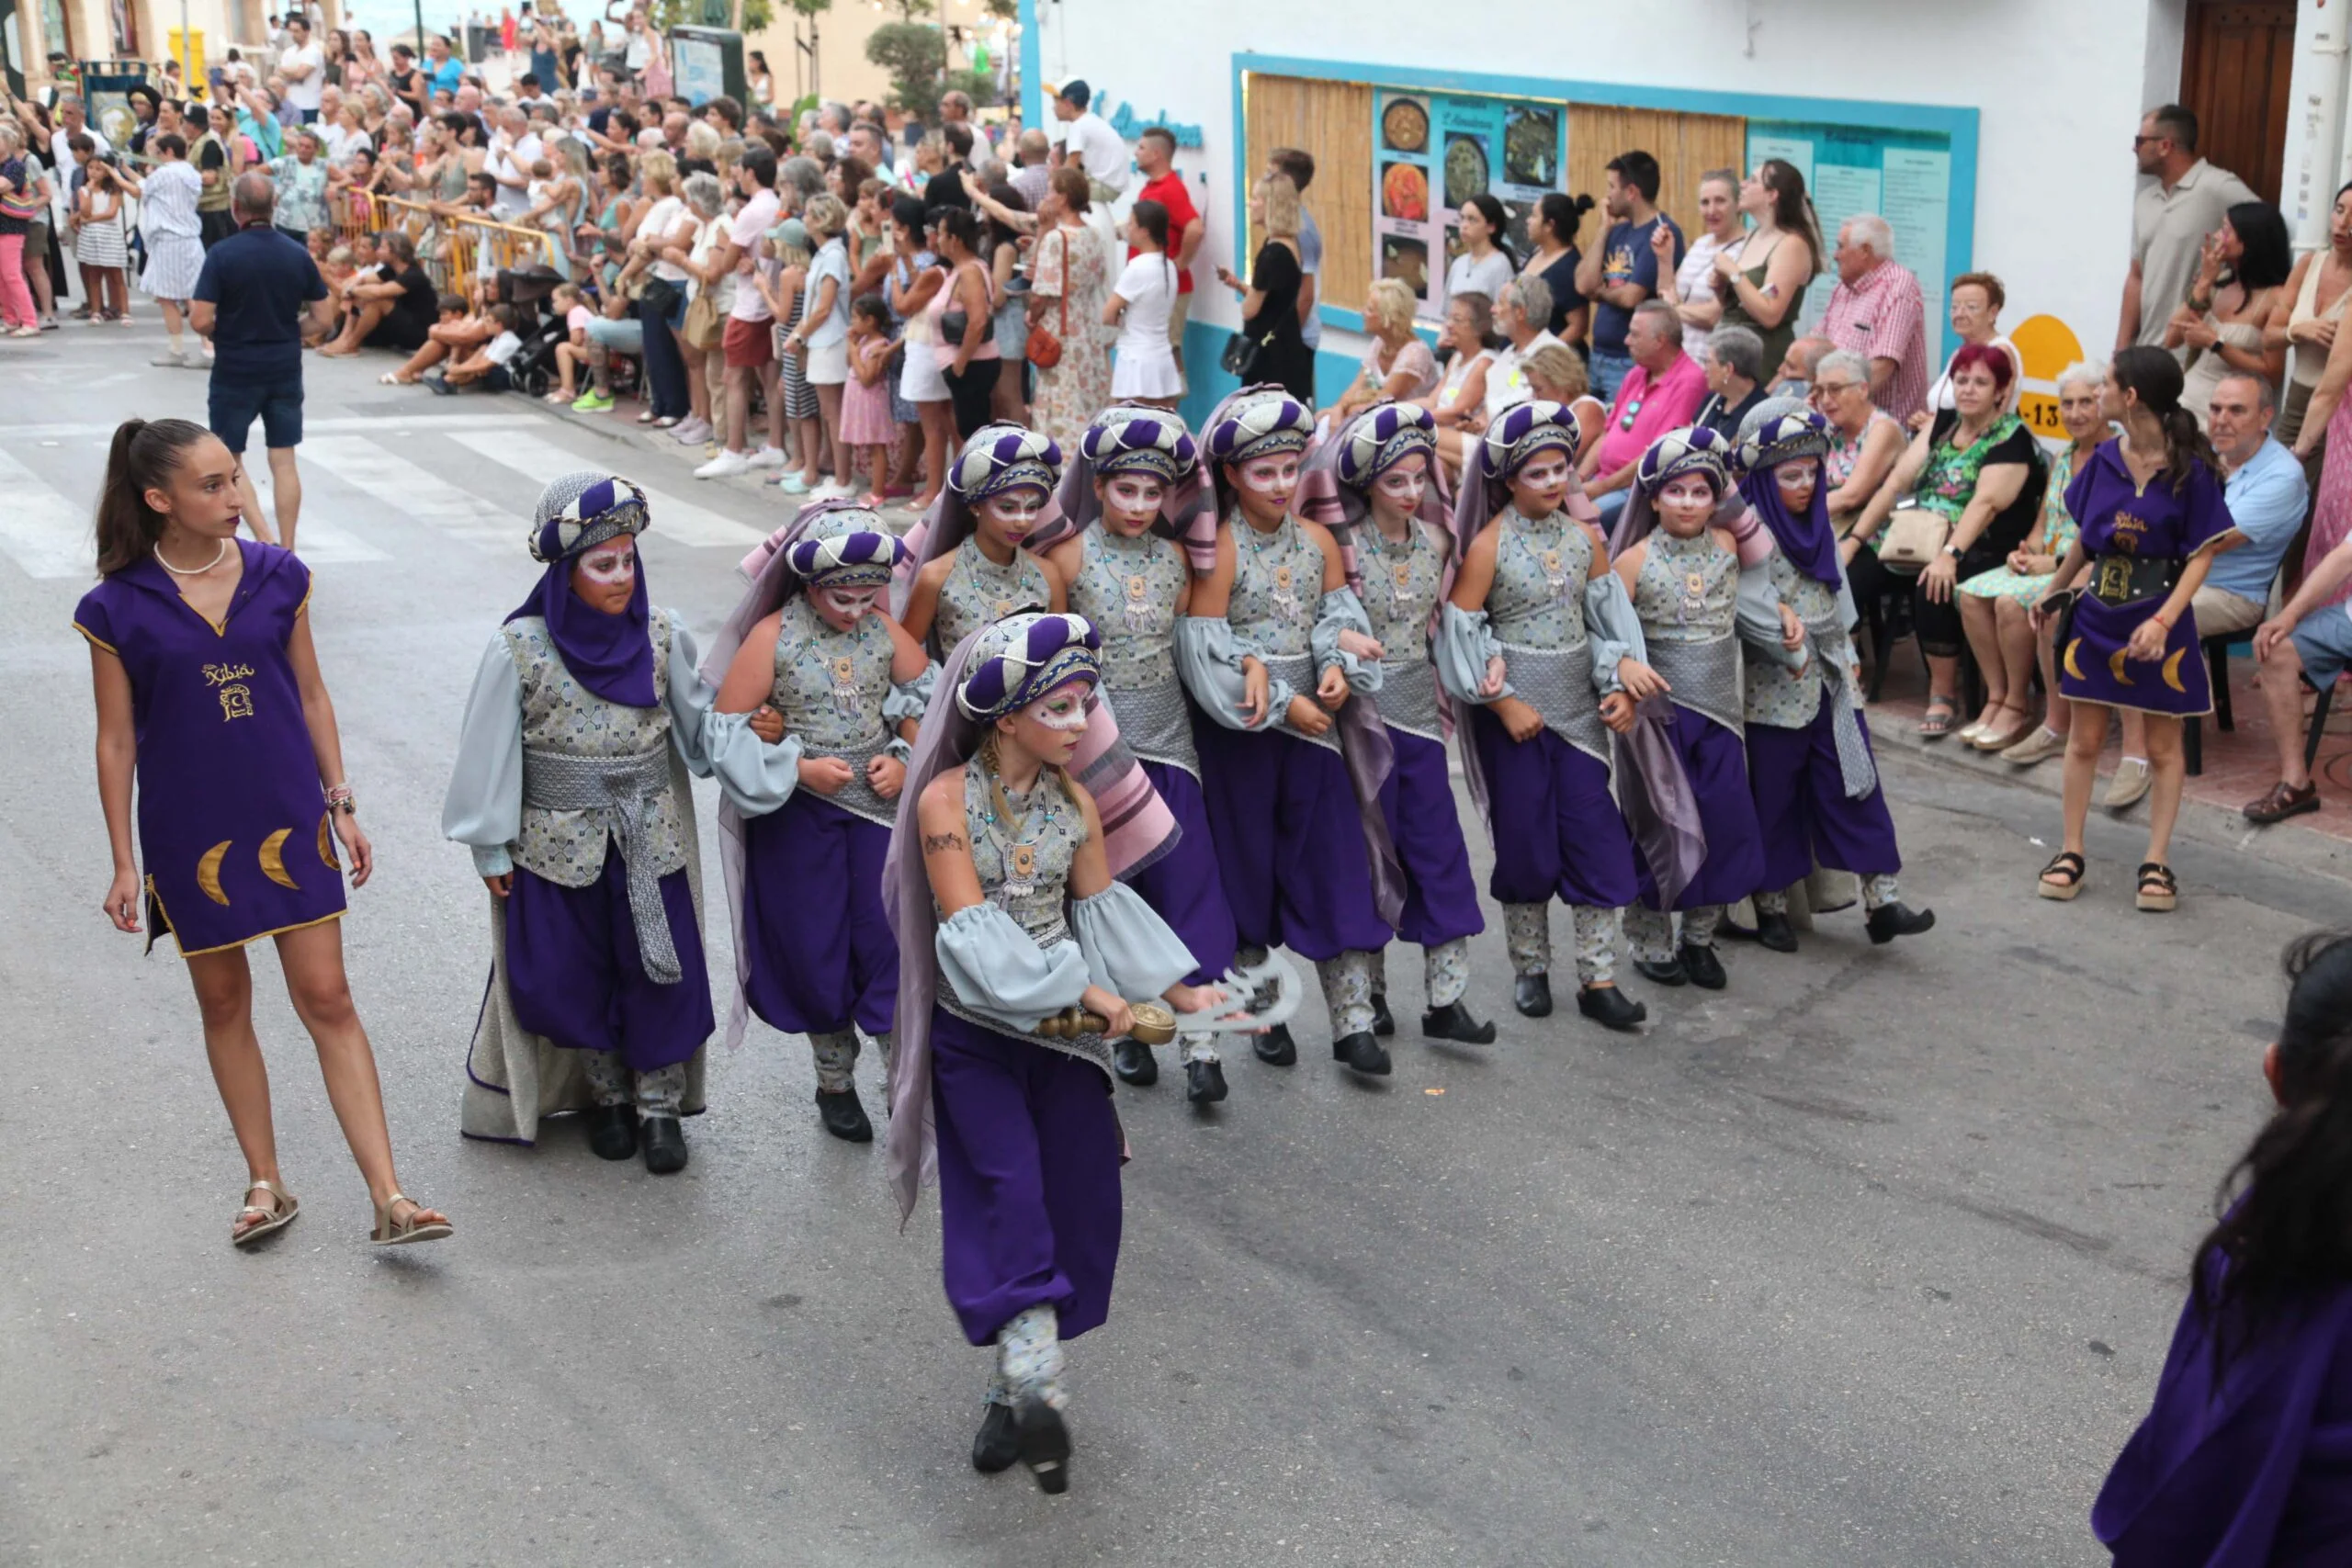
[
  {"x": 1298, "y": 669},
  {"x": 624, "y": 789},
  {"x": 1155, "y": 723},
  {"x": 1704, "y": 677},
  {"x": 1557, "y": 683},
  {"x": 2127, "y": 580},
  {"x": 1408, "y": 698},
  {"x": 858, "y": 796}
]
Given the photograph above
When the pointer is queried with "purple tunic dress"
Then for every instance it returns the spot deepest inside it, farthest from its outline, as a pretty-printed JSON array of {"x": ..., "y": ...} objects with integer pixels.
[
  {"x": 233, "y": 820},
  {"x": 2121, "y": 523},
  {"x": 2254, "y": 1472}
]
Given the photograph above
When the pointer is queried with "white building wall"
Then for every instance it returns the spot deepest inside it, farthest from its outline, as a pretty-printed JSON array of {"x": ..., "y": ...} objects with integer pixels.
[{"x": 2059, "y": 90}]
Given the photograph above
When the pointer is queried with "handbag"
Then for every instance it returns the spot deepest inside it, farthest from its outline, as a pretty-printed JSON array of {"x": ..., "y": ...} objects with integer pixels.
[
  {"x": 704, "y": 327},
  {"x": 1043, "y": 349},
  {"x": 1242, "y": 354},
  {"x": 1915, "y": 535},
  {"x": 951, "y": 327},
  {"x": 661, "y": 294}
]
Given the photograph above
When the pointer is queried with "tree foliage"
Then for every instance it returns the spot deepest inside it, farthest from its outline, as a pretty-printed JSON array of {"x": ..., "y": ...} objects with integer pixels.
[{"x": 915, "y": 54}]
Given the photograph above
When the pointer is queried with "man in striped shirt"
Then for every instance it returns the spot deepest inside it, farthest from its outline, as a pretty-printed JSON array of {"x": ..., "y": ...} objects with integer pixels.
[{"x": 1876, "y": 312}]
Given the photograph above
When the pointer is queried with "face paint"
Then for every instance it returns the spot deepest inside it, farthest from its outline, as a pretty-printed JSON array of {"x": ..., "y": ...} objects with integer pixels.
[
  {"x": 1686, "y": 504},
  {"x": 1538, "y": 488},
  {"x": 1405, "y": 484},
  {"x": 1797, "y": 481},
  {"x": 610, "y": 565},
  {"x": 841, "y": 606},
  {"x": 1131, "y": 501},
  {"x": 1277, "y": 475},
  {"x": 1014, "y": 511}
]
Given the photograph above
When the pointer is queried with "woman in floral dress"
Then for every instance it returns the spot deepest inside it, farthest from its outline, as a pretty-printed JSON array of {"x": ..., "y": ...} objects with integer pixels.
[{"x": 1069, "y": 277}]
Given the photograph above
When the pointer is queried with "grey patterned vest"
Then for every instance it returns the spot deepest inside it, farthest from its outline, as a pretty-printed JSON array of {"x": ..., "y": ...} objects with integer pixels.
[
  {"x": 1128, "y": 588},
  {"x": 562, "y": 719},
  {"x": 977, "y": 591},
  {"x": 1687, "y": 597},
  {"x": 830, "y": 686},
  {"x": 1785, "y": 698},
  {"x": 1535, "y": 610},
  {"x": 1400, "y": 590},
  {"x": 1277, "y": 591},
  {"x": 1027, "y": 876}
]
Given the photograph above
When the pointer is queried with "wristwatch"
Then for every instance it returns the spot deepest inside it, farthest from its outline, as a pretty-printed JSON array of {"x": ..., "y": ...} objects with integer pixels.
[{"x": 1954, "y": 551}]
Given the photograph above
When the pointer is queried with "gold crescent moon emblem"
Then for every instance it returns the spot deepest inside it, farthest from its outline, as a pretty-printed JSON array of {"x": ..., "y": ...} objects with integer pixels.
[
  {"x": 2072, "y": 668},
  {"x": 2115, "y": 668},
  {"x": 2171, "y": 671},
  {"x": 207, "y": 872},
  {"x": 326, "y": 841},
  {"x": 273, "y": 859}
]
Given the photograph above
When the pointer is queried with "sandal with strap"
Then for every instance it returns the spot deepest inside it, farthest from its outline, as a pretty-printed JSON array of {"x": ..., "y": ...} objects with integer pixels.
[
  {"x": 390, "y": 1231},
  {"x": 1936, "y": 722},
  {"x": 285, "y": 1206},
  {"x": 2159, "y": 889},
  {"x": 2066, "y": 863}
]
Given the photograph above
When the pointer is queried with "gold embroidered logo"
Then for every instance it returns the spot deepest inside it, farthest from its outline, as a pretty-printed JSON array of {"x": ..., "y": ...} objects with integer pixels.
[
  {"x": 222, "y": 674},
  {"x": 236, "y": 702}
]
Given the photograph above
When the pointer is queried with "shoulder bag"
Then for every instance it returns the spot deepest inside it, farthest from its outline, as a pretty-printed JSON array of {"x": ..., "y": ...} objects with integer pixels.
[
  {"x": 1045, "y": 349},
  {"x": 1915, "y": 535}
]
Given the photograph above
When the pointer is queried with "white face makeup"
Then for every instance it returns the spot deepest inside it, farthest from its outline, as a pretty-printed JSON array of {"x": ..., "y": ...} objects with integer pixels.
[
  {"x": 1131, "y": 501},
  {"x": 1061, "y": 710},
  {"x": 1685, "y": 504},
  {"x": 1275, "y": 476},
  {"x": 1014, "y": 511},
  {"x": 1543, "y": 482},
  {"x": 841, "y": 607},
  {"x": 1403, "y": 486},
  {"x": 609, "y": 565},
  {"x": 1796, "y": 483}
]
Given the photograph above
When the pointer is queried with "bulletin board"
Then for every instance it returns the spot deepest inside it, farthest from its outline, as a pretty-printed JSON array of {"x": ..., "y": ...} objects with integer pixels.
[{"x": 1904, "y": 176}]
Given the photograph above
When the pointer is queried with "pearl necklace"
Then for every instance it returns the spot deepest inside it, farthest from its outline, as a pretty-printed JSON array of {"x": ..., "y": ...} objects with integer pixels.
[{"x": 219, "y": 556}]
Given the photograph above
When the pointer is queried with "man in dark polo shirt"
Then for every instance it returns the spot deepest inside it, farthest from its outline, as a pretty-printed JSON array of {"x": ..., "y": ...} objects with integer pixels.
[{"x": 257, "y": 291}]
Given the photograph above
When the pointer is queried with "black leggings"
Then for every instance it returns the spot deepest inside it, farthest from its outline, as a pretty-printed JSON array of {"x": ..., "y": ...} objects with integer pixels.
[
  {"x": 1937, "y": 627},
  {"x": 971, "y": 393}
]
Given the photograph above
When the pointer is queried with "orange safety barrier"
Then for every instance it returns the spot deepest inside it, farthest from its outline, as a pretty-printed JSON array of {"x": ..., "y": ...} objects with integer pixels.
[{"x": 463, "y": 253}]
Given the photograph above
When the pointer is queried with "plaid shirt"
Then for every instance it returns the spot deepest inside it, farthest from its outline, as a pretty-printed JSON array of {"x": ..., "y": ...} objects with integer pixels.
[{"x": 1883, "y": 319}]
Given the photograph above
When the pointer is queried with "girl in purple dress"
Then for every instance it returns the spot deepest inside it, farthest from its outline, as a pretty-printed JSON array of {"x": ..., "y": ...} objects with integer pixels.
[
  {"x": 2246, "y": 1457},
  {"x": 210, "y": 695},
  {"x": 2153, "y": 517},
  {"x": 1017, "y": 957}
]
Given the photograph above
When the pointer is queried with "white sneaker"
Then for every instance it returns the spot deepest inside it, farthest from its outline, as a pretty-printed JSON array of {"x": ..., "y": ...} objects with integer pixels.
[
  {"x": 726, "y": 463},
  {"x": 690, "y": 432},
  {"x": 830, "y": 490},
  {"x": 768, "y": 458}
]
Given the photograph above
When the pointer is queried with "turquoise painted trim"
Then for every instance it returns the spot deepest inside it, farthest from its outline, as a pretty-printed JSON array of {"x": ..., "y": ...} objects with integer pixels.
[
  {"x": 1033, "y": 65},
  {"x": 1206, "y": 383},
  {"x": 1960, "y": 124}
]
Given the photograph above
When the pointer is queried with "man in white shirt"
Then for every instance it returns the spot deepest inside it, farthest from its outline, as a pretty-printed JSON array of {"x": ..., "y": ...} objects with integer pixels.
[
  {"x": 512, "y": 153},
  {"x": 749, "y": 341},
  {"x": 71, "y": 122},
  {"x": 1089, "y": 142},
  {"x": 304, "y": 66}
]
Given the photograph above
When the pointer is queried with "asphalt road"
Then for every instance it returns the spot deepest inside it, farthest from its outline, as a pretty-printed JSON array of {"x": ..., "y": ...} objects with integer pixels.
[{"x": 1871, "y": 1259}]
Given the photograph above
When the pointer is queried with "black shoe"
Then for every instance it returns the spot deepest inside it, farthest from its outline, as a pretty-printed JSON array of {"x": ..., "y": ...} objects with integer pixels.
[
  {"x": 612, "y": 1131},
  {"x": 664, "y": 1143},
  {"x": 1362, "y": 1052},
  {"x": 1891, "y": 920},
  {"x": 1775, "y": 933},
  {"x": 1453, "y": 1021},
  {"x": 1669, "y": 972},
  {"x": 1044, "y": 1442},
  {"x": 1704, "y": 967},
  {"x": 1729, "y": 930},
  {"x": 1135, "y": 1063},
  {"x": 1383, "y": 1023},
  {"x": 994, "y": 1446},
  {"x": 1532, "y": 995},
  {"x": 1275, "y": 1047},
  {"x": 1607, "y": 1006},
  {"x": 844, "y": 1117},
  {"x": 1203, "y": 1082}
]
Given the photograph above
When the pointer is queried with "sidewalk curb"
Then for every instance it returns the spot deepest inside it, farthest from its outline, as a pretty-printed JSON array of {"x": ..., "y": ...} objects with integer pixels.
[{"x": 2287, "y": 844}]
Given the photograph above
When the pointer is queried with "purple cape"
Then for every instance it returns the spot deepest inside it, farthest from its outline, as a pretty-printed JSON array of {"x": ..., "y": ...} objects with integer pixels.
[{"x": 610, "y": 655}]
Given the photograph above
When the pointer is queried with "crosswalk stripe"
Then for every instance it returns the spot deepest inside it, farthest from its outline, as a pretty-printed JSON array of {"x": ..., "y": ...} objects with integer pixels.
[
  {"x": 320, "y": 543},
  {"x": 41, "y": 531},
  {"x": 373, "y": 424},
  {"x": 414, "y": 491},
  {"x": 674, "y": 518}
]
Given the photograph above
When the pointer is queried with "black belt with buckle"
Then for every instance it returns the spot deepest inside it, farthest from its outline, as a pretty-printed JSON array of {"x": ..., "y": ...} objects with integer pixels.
[{"x": 2127, "y": 580}]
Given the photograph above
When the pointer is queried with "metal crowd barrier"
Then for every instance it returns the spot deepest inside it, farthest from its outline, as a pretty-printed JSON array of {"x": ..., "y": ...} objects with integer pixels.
[{"x": 462, "y": 254}]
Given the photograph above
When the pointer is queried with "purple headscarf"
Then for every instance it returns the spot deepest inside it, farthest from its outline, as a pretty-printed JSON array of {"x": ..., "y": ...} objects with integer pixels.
[
  {"x": 610, "y": 655},
  {"x": 1809, "y": 542}
]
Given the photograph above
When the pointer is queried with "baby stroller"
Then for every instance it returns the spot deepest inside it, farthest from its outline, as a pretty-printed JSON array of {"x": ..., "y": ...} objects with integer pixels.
[{"x": 534, "y": 368}]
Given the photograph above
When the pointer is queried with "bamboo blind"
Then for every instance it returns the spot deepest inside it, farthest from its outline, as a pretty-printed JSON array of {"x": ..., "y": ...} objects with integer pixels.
[
  {"x": 1685, "y": 145},
  {"x": 1333, "y": 121}
]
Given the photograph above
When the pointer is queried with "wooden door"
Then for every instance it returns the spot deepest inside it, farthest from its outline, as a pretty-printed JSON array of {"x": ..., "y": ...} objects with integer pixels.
[{"x": 2236, "y": 61}]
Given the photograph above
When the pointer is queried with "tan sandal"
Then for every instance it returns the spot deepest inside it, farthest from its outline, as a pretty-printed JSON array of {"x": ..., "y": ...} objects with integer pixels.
[
  {"x": 273, "y": 1219},
  {"x": 390, "y": 1231}
]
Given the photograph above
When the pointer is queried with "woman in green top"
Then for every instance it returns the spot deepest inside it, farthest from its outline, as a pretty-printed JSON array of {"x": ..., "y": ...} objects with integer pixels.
[{"x": 1762, "y": 279}]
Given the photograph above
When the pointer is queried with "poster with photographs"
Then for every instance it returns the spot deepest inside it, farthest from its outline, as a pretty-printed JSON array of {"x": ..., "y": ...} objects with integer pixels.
[{"x": 1431, "y": 153}]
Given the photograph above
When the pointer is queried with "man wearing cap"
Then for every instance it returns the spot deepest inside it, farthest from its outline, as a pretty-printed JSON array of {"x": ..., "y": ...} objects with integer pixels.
[{"x": 1090, "y": 143}]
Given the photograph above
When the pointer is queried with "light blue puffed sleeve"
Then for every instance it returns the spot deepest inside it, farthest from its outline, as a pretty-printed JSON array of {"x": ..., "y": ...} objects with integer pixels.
[
  {"x": 1341, "y": 610},
  {"x": 908, "y": 699},
  {"x": 1130, "y": 950},
  {"x": 1465, "y": 645},
  {"x": 1614, "y": 630},
  {"x": 1758, "y": 617},
  {"x": 484, "y": 810},
  {"x": 1208, "y": 661},
  {"x": 1000, "y": 973},
  {"x": 756, "y": 777}
]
